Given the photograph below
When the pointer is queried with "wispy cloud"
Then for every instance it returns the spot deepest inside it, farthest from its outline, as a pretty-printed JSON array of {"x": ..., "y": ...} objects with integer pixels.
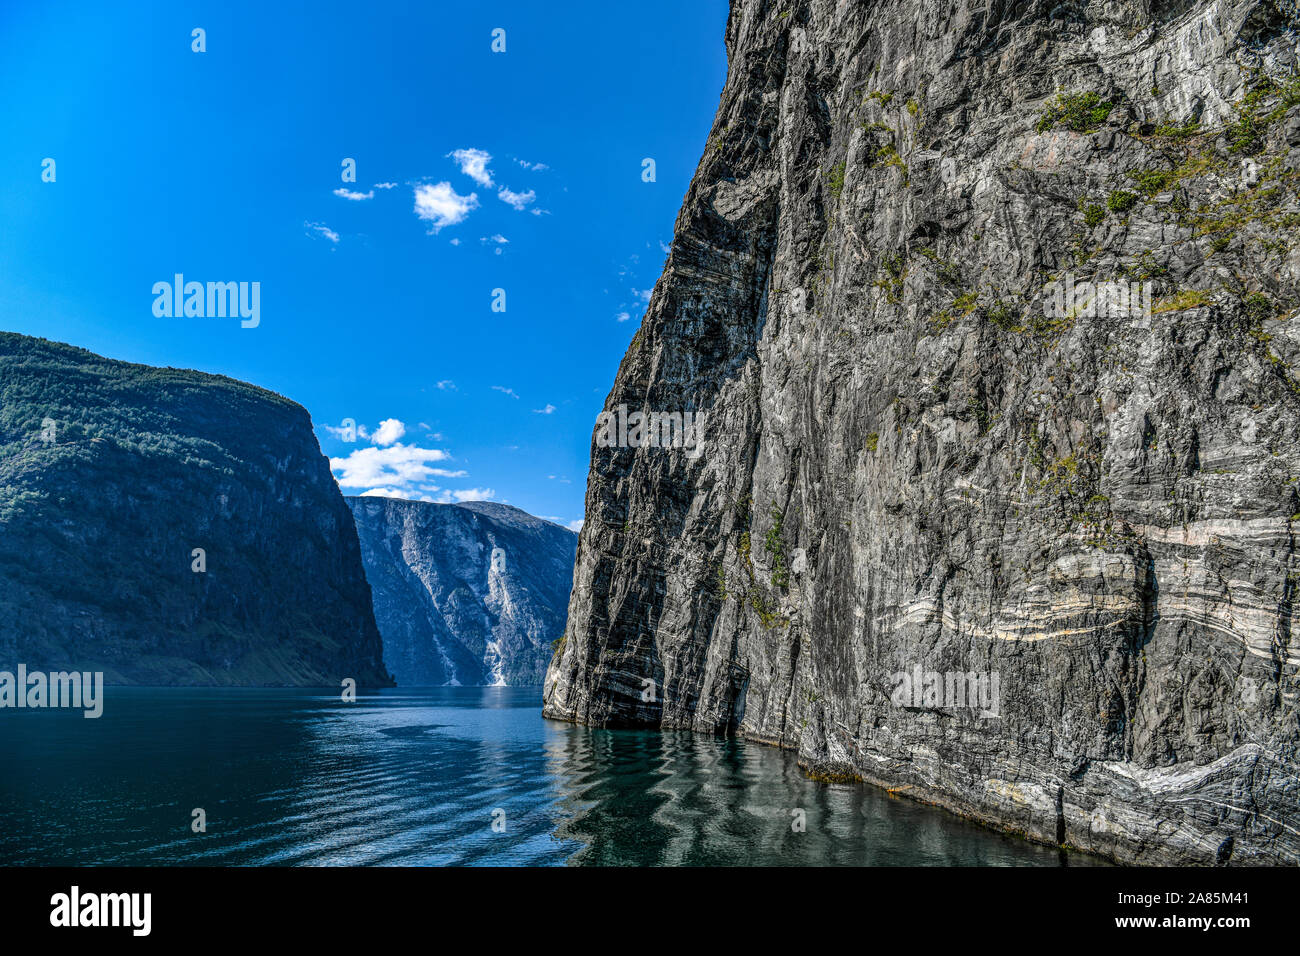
[
  {"x": 442, "y": 206},
  {"x": 473, "y": 163},
  {"x": 548, "y": 410},
  {"x": 467, "y": 494},
  {"x": 447, "y": 385},
  {"x": 382, "y": 493},
  {"x": 517, "y": 200},
  {"x": 535, "y": 167},
  {"x": 344, "y": 432},
  {"x": 355, "y": 197},
  {"x": 323, "y": 231},
  {"x": 623, "y": 316},
  {"x": 385, "y": 185},
  {"x": 576, "y": 525},
  {"x": 504, "y": 390}
]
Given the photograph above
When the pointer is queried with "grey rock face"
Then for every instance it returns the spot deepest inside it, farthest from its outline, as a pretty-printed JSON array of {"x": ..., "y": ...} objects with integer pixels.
[
  {"x": 914, "y": 462},
  {"x": 114, "y": 476},
  {"x": 469, "y": 594}
]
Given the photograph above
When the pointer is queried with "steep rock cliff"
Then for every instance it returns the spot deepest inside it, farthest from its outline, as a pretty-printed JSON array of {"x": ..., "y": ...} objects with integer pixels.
[
  {"x": 112, "y": 475},
  {"x": 912, "y": 460},
  {"x": 470, "y": 594}
]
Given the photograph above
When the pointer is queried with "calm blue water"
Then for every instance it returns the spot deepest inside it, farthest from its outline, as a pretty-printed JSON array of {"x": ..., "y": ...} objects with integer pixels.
[{"x": 414, "y": 777}]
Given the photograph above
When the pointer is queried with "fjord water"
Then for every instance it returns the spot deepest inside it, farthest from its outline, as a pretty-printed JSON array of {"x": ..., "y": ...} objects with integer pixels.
[{"x": 413, "y": 777}]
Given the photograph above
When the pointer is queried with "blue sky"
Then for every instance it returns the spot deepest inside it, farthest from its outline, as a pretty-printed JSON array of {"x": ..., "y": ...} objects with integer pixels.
[{"x": 377, "y": 307}]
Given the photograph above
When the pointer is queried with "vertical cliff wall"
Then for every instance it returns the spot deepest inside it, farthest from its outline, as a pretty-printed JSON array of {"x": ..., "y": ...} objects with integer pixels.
[
  {"x": 113, "y": 476},
  {"x": 471, "y": 593},
  {"x": 946, "y": 436}
]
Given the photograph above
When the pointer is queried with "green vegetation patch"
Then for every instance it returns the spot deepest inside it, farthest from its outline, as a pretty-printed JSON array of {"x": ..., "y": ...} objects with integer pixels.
[
  {"x": 1121, "y": 200},
  {"x": 1077, "y": 112}
]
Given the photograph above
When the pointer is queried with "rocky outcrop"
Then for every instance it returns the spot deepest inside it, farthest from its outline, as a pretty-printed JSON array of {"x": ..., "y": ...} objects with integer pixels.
[
  {"x": 471, "y": 594},
  {"x": 938, "y": 453},
  {"x": 170, "y": 527}
]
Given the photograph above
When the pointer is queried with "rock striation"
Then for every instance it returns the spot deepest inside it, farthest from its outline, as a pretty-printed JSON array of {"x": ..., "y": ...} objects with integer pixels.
[
  {"x": 471, "y": 594},
  {"x": 991, "y": 314},
  {"x": 169, "y": 527}
]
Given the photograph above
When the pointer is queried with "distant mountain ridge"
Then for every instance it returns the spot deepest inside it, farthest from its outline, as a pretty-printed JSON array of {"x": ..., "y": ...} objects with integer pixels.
[
  {"x": 171, "y": 527},
  {"x": 474, "y": 593}
]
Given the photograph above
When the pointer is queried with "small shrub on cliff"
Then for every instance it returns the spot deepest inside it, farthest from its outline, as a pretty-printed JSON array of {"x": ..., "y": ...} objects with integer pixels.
[
  {"x": 1181, "y": 301},
  {"x": 1004, "y": 316},
  {"x": 1174, "y": 131},
  {"x": 1246, "y": 135},
  {"x": 836, "y": 181},
  {"x": 774, "y": 545},
  {"x": 1152, "y": 181},
  {"x": 1121, "y": 200},
  {"x": 1077, "y": 112},
  {"x": 887, "y": 155},
  {"x": 1258, "y": 307}
]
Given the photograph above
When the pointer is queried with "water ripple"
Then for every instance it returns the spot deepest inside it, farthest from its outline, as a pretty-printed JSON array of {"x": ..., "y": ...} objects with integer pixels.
[{"x": 449, "y": 776}]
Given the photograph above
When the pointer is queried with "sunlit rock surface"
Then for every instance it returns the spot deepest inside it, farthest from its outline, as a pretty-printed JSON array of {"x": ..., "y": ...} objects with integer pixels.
[
  {"x": 470, "y": 594},
  {"x": 911, "y": 459}
]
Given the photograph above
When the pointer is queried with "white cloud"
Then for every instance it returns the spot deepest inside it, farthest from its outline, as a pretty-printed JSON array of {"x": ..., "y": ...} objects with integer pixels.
[
  {"x": 355, "y": 197},
  {"x": 468, "y": 494},
  {"x": 576, "y": 525},
  {"x": 321, "y": 229},
  {"x": 535, "y": 167},
  {"x": 473, "y": 163},
  {"x": 499, "y": 239},
  {"x": 504, "y": 390},
  {"x": 548, "y": 410},
  {"x": 385, "y": 185},
  {"x": 447, "y": 385},
  {"x": 389, "y": 430},
  {"x": 442, "y": 205},
  {"x": 400, "y": 468},
  {"x": 517, "y": 200},
  {"x": 623, "y": 316}
]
